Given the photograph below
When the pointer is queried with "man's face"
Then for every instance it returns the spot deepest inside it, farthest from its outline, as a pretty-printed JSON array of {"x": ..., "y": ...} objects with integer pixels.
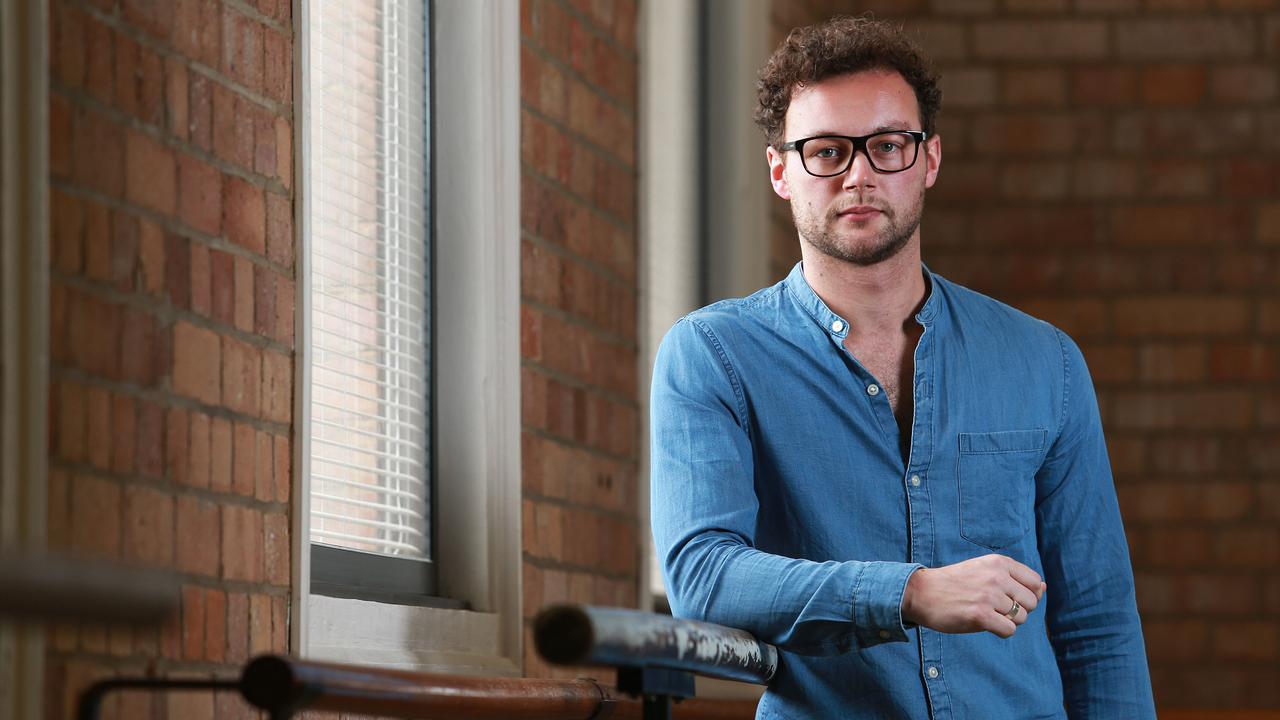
[{"x": 863, "y": 216}]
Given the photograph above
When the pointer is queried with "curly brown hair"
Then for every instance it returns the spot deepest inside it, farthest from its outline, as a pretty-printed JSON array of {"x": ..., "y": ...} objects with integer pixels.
[{"x": 838, "y": 46}]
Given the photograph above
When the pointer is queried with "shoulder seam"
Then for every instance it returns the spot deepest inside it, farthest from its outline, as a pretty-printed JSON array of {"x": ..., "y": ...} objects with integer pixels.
[
  {"x": 1066, "y": 381},
  {"x": 738, "y": 396}
]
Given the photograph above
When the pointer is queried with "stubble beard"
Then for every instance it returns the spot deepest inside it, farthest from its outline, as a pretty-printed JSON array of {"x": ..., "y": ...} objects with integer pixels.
[{"x": 821, "y": 231}]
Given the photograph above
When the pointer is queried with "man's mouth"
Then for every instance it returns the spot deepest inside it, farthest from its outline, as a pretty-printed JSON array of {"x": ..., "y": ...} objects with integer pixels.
[{"x": 859, "y": 212}]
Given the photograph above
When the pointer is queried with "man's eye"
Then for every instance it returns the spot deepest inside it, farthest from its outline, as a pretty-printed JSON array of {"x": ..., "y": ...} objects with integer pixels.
[
  {"x": 887, "y": 148},
  {"x": 827, "y": 153}
]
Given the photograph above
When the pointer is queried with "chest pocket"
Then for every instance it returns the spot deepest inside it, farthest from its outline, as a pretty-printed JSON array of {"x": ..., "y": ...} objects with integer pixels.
[{"x": 997, "y": 485}]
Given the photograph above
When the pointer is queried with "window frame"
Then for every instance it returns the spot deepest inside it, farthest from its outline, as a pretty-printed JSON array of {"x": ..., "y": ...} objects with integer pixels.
[{"x": 476, "y": 262}]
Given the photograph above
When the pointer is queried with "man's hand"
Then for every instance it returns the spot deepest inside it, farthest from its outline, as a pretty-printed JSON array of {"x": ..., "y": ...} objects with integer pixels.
[{"x": 972, "y": 596}]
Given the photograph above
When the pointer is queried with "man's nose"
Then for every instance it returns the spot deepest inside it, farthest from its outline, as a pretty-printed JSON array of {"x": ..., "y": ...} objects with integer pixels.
[{"x": 860, "y": 172}]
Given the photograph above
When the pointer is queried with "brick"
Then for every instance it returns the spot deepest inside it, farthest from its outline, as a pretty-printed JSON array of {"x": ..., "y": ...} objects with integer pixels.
[
  {"x": 1103, "y": 179},
  {"x": 94, "y": 332},
  {"x": 279, "y": 624},
  {"x": 98, "y": 413},
  {"x": 1190, "y": 38},
  {"x": 177, "y": 98},
  {"x": 193, "y": 623},
  {"x": 177, "y": 270},
  {"x": 241, "y": 376},
  {"x": 244, "y": 214},
  {"x": 61, "y": 133},
  {"x": 66, "y": 231},
  {"x": 215, "y": 625},
  {"x": 263, "y": 488},
  {"x": 242, "y": 53},
  {"x": 150, "y": 446},
  {"x": 199, "y": 194},
  {"x": 284, "y": 152},
  {"x": 99, "y": 160},
  {"x": 123, "y": 433},
  {"x": 176, "y": 446},
  {"x": 148, "y": 527},
  {"x": 1268, "y": 224},
  {"x": 1168, "y": 85},
  {"x": 243, "y": 302},
  {"x": 245, "y": 460},
  {"x": 95, "y": 516},
  {"x": 1034, "y": 87},
  {"x": 1249, "y": 362},
  {"x": 67, "y": 45},
  {"x": 201, "y": 279},
  {"x": 1106, "y": 85},
  {"x": 232, "y": 128},
  {"x": 154, "y": 17},
  {"x": 200, "y": 110},
  {"x": 1175, "y": 178},
  {"x": 1184, "y": 409},
  {"x": 97, "y": 241},
  {"x": 151, "y": 259},
  {"x": 970, "y": 87},
  {"x": 264, "y": 301},
  {"x": 278, "y": 66},
  {"x": 275, "y": 546},
  {"x": 1248, "y": 641},
  {"x": 1248, "y": 547},
  {"x": 284, "y": 331},
  {"x": 1034, "y": 180},
  {"x": 1173, "y": 363},
  {"x": 1218, "y": 594},
  {"x": 259, "y": 624},
  {"x": 279, "y": 234},
  {"x": 1181, "y": 316},
  {"x": 1245, "y": 84},
  {"x": 197, "y": 361},
  {"x": 281, "y": 468},
  {"x": 1251, "y": 177},
  {"x": 1010, "y": 135},
  {"x": 100, "y": 53},
  {"x": 1040, "y": 40},
  {"x": 264, "y": 143},
  {"x": 222, "y": 286},
  {"x": 1178, "y": 547},
  {"x": 277, "y": 387},
  {"x": 150, "y": 174},
  {"x": 241, "y": 543},
  {"x": 220, "y": 454},
  {"x": 197, "y": 30},
  {"x": 1041, "y": 226},
  {"x": 1179, "y": 640},
  {"x": 199, "y": 458},
  {"x": 197, "y": 545},
  {"x": 138, "y": 348},
  {"x": 71, "y": 416}
]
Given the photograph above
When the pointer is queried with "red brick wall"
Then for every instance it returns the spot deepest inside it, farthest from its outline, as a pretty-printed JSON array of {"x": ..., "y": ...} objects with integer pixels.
[
  {"x": 578, "y": 75},
  {"x": 172, "y": 329},
  {"x": 1161, "y": 259}
]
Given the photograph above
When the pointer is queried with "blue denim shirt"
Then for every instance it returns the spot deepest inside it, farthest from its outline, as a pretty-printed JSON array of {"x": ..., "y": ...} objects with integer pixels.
[{"x": 782, "y": 505}]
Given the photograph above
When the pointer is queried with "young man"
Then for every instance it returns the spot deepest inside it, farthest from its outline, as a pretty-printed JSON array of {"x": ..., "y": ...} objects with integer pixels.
[{"x": 901, "y": 483}]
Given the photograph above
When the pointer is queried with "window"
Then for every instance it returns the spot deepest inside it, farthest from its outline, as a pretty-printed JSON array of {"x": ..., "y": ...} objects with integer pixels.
[
  {"x": 370, "y": 299},
  {"x": 366, "y": 413}
]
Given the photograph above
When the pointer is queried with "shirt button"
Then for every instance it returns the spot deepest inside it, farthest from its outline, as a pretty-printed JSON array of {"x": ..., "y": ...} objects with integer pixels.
[
  {"x": 873, "y": 389},
  {"x": 837, "y": 326},
  {"x": 915, "y": 481},
  {"x": 932, "y": 672},
  {"x": 884, "y": 634}
]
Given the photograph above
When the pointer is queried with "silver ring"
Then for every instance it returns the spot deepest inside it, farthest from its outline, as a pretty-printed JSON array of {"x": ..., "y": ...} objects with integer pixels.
[{"x": 1013, "y": 611}]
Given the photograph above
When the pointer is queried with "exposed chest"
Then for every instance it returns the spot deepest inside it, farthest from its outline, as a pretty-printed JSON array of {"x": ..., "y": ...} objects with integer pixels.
[{"x": 891, "y": 361}]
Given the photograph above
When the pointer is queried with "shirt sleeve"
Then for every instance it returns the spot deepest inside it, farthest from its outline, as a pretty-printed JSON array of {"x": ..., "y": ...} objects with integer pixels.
[
  {"x": 1092, "y": 612},
  {"x": 704, "y": 510}
]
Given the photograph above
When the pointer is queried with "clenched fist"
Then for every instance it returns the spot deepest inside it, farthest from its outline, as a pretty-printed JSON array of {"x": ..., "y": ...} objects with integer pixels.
[{"x": 973, "y": 596}]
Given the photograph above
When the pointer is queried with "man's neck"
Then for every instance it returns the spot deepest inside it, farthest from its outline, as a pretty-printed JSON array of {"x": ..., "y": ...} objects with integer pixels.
[{"x": 875, "y": 300}]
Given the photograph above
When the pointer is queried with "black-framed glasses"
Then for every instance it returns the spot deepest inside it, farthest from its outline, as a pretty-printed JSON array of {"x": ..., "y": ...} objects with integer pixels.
[{"x": 830, "y": 155}]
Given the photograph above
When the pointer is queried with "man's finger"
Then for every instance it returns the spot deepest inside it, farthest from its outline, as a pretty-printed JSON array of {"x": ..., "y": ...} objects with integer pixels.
[
  {"x": 1001, "y": 625},
  {"x": 1025, "y": 597},
  {"x": 1029, "y": 578}
]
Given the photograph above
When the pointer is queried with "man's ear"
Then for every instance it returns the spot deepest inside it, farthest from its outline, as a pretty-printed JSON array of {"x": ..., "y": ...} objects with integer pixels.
[
  {"x": 933, "y": 159},
  {"x": 777, "y": 173}
]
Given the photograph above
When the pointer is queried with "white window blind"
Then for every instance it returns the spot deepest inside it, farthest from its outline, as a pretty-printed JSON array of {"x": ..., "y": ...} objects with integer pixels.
[{"x": 370, "y": 387}]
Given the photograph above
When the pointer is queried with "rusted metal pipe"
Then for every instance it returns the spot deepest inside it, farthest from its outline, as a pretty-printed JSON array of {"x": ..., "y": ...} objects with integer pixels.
[
  {"x": 585, "y": 635},
  {"x": 282, "y": 686}
]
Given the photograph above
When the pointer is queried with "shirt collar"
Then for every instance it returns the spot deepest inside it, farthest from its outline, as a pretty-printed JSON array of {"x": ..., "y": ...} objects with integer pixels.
[{"x": 832, "y": 323}]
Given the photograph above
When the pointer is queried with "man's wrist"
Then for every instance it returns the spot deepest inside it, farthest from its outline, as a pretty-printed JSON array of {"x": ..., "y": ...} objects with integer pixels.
[{"x": 910, "y": 593}]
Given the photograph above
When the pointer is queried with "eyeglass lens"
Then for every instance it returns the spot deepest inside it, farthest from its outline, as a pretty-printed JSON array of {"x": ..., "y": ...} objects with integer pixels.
[{"x": 888, "y": 152}]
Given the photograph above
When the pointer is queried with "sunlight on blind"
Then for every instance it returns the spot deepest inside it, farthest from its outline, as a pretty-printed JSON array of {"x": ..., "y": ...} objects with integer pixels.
[{"x": 369, "y": 256}]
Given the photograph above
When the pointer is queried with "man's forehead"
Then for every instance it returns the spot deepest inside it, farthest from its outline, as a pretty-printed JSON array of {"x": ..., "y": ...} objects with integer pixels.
[{"x": 864, "y": 102}]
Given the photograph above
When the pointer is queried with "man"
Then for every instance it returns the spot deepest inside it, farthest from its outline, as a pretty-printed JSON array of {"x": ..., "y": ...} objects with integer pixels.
[{"x": 901, "y": 483}]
